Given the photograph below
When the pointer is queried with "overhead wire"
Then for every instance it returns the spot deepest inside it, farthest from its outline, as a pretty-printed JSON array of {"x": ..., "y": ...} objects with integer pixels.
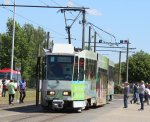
[
  {"x": 96, "y": 26},
  {"x": 77, "y": 18},
  {"x": 33, "y": 21}
]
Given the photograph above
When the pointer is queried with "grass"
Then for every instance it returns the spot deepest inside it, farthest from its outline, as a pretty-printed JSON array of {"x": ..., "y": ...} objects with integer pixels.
[{"x": 30, "y": 96}]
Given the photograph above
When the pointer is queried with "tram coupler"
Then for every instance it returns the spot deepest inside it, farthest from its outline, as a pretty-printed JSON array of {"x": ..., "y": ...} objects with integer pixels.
[{"x": 58, "y": 104}]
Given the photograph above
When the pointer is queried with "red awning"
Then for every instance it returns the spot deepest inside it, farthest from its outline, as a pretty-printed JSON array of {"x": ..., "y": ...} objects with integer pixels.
[{"x": 8, "y": 70}]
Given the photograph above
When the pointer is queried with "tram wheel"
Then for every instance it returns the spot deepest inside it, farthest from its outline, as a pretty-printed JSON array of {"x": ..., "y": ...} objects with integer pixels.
[
  {"x": 78, "y": 110},
  {"x": 87, "y": 105}
]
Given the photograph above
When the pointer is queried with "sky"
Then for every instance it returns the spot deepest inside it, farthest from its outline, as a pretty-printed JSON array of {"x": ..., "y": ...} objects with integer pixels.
[{"x": 124, "y": 19}]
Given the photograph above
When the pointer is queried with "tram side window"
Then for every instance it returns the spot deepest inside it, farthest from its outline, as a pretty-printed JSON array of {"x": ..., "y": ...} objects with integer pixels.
[
  {"x": 98, "y": 74},
  {"x": 81, "y": 69},
  {"x": 75, "y": 76},
  {"x": 93, "y": 69},
  {"x": 104, "y": 77},
  {"x": 90, "y": 69},
  {"x": 87, "y": 69}
]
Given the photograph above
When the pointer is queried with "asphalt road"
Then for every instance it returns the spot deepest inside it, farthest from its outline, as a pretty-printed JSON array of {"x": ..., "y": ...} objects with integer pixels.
[{"x": 113, "y": 112}]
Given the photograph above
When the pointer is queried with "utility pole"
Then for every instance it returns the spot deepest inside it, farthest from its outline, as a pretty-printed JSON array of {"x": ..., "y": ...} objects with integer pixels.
[
  {"x": 83, "y": 28},
  {"x": 38, "y": 77},
  {"x": 127, "y": 61},
  {"x": 48, "y": 36},
  {"x": 119, "y": 75},
  {"x": 13, "y": 39},
  {"x": 89, "y": 43},
  {"x": 94, "y": 41}
]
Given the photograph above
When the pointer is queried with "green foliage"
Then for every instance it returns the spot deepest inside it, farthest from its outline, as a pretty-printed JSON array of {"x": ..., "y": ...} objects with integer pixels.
[
  {"x": 118, "y": 89},
  {"x": 27, "y": 41},
  {"x": 139, "y": 67}
]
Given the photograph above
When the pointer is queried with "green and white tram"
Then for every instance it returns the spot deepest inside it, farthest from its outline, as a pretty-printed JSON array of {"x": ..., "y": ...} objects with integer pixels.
[{"x": 73, "y": 79}]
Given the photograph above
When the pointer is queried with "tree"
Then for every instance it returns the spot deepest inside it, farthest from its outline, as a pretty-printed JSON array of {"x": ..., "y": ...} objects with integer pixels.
[
  {"x": 139, "y": 67},
  {"x": 27, "y": 41}
]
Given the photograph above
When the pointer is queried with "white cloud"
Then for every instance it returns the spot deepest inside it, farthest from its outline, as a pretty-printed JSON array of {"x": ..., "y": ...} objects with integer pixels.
[
  {"x": 94, "y": 12},
  {"x": 70, "y": 3},
  {"x": 6, "y": 2}
]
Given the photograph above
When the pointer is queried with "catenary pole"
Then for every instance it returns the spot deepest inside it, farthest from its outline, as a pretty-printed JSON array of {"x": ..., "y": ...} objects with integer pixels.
[
  {"x": 127, "y": 61},
  {"x": 83, "y": 29},
  {"x": 119, "y": 76},
  {"x": 89, "y": 42}
]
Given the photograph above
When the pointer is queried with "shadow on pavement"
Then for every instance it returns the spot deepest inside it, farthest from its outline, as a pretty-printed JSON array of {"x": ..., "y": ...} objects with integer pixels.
[
  {"x": 35, "y": 109},
  {"x": 25, "y": 109}
]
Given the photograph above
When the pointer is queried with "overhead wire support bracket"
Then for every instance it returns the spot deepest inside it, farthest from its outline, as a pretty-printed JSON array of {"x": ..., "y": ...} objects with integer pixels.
[
  {"x": 68, "y": 27},
  {"x": 37, "y": 6},
  {"x": 104, "y": 32}
]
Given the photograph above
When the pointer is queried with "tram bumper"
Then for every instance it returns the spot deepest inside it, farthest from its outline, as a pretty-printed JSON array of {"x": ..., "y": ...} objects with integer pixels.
[{"x": 57, "y": 104}]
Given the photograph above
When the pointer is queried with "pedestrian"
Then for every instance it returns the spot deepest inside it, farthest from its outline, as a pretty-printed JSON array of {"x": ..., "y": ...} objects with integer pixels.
[
  {"x": 147, "y": 94},
  {"x": 141, "y": 94},
  {"x": 11, "y": 91},
  {"x": 4, "y": 89},
  {"x": 126, "y": 92},
  {"x": 135, "y": 94},
  {"x": 22, "y": 90}
]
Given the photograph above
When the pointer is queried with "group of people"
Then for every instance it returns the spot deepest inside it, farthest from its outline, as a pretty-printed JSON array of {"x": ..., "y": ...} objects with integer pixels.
[
  {"x": 140, "y": 91},
  {"x": 11, "y": 87}
]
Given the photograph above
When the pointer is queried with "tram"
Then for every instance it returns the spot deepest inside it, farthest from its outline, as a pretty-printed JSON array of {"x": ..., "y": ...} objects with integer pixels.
[{"x": 73, "y": 78}]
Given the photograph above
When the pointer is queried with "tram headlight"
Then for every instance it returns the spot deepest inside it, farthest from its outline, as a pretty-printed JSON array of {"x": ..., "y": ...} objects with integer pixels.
[
  {"x": 50, "y": 92},
  {"x": 66, "y": 93}
]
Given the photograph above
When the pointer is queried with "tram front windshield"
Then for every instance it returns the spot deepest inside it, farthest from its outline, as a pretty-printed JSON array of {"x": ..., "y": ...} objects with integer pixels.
[{"x": 60, "y": 67}]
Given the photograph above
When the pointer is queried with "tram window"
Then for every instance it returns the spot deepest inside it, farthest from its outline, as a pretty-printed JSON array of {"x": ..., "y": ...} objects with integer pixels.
[
  {"x": 98, "y": 73},
  {"x": 104, "y": 77},
  {"x": 94, "y": 69},
  {"x": 90, "y": 69},
  {"x": 60, "y": 67},
  {"x": 81, "y": 69},
  {"x": 75, "y": 76},
  {"x": 52, "y": 59},
  {"x": 87, "y": 69}
]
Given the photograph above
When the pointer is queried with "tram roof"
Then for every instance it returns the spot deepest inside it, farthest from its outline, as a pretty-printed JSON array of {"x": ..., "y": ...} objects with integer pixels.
[
  {"x": 88, "y": 54},
  {"x": 63, "y": 48}
]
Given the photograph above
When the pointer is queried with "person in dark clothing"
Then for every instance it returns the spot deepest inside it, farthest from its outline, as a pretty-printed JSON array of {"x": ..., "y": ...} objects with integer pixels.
[
  {"x": 147, "y": 94},
  {"x": 22, "y": 90},
  {"x": 141, "y": 94},
  {"x": 135, "y": 94},
  {"x": 126, "y": 92},
  {"x": 4, "y": 87}
]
